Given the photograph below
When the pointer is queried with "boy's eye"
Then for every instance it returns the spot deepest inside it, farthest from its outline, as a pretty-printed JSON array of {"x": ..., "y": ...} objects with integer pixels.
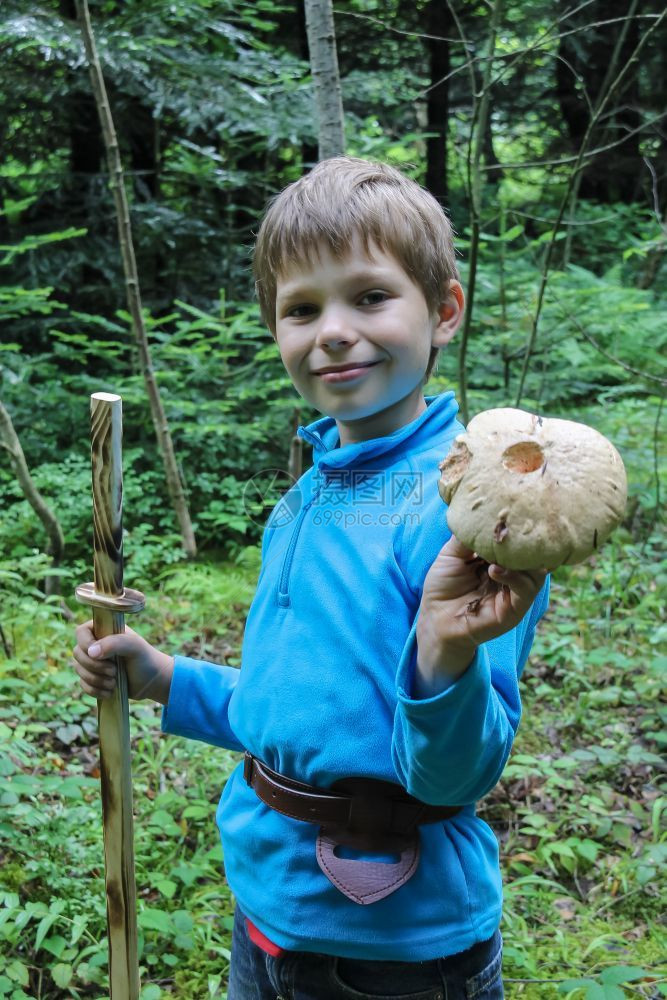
[
  {"x": 300, "y": 311},
  {"x": 373, "y": 298}
]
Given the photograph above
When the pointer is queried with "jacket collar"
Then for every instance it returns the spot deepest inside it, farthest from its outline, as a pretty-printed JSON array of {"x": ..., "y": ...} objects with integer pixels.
[{"x": 323, "y": 435}]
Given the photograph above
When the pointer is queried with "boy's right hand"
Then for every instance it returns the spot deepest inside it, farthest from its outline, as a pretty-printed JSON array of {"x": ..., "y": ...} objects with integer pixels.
[{"x": 149, "y": 671}]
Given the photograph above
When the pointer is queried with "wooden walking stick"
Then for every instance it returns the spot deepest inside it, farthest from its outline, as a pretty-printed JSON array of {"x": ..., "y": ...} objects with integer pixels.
[{"x": 111, "y": 602}]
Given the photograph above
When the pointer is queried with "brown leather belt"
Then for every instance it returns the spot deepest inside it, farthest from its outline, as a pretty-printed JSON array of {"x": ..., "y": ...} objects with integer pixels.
[
  {"x": 364, "y": 814},
  {"x": 363, "y": 806}
]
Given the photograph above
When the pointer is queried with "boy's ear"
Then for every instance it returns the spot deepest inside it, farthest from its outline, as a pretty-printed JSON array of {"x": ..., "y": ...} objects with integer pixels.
[{"x": 450, "y": 314}]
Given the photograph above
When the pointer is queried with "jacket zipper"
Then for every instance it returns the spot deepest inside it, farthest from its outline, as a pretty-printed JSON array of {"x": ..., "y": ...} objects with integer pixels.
[{"x": 283, "y": 584}]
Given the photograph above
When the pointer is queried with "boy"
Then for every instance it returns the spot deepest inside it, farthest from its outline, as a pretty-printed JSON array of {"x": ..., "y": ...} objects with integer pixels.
[{"x": 378, "y": 695}]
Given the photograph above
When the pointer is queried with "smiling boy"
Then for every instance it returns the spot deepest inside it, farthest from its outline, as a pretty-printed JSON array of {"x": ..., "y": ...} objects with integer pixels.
[
  {"x": 378, "y": 695},
  {"x": 356, "y": 334}
]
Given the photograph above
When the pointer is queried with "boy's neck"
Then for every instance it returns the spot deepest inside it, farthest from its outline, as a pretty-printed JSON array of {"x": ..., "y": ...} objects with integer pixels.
[{"x": 383, "y": 423}]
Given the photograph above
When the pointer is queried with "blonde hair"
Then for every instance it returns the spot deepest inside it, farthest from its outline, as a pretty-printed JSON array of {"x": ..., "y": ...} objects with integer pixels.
[{"x": 345, "y": 198}]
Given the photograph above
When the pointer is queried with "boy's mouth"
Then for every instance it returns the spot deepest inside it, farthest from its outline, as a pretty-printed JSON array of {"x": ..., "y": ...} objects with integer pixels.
[
  {"x": 352, "y": 366},
  {"x": 345, "y": 373}
]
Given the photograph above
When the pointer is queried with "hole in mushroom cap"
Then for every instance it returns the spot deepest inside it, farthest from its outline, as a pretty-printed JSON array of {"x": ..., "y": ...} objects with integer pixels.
[{"x": 523, "y": 457}]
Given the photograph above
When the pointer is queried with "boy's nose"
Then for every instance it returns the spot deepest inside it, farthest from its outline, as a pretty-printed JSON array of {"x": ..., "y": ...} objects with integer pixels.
[{"x": 334, "y": 328}]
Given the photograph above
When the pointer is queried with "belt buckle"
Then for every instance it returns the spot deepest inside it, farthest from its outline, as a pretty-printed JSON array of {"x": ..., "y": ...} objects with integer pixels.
[{"x": 373, "y": 813}]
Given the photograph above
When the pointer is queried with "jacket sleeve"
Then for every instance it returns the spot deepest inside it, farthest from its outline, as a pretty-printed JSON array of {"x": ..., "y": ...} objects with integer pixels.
[
  {"x": 451, "y": 749},
  {"x": 198, "y": 705}
]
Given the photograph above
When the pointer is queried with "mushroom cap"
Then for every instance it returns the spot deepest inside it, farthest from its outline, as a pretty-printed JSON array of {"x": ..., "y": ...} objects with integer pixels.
[{"x": 527, "y": 492}]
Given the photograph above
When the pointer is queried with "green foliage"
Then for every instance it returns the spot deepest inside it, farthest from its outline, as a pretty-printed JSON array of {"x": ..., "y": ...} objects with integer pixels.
[
  {"x": 600, "y": 337},
  {"x": 213, "y": 110},
  {"x": 581, "y": 824},
  {"x": 608, "y": 986},
  {"x": 581, "y": 819},
  {"x": 52, "y": 914},
  {"x": 201, "y": 95},
  {"x": 228, "y": 401}
]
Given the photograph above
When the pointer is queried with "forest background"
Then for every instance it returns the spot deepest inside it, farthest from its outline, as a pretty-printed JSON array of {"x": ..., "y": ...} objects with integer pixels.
[{"x": 541, "y": 126}]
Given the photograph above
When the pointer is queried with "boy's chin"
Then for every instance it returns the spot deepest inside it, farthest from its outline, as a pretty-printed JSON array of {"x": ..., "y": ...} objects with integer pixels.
[{"x": 404, "y": 404}]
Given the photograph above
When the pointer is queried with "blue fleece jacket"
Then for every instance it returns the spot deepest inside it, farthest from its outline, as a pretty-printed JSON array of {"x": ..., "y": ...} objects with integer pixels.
[{"x": 324, "y": 692}]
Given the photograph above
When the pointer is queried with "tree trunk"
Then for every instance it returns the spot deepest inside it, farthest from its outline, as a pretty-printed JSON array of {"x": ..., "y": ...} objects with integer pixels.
[
  {"x": 308, "y": 147},
  {"x": 658, "y": 88},
  {"x": 623, "y": 167},
  {"x": 481, "y": 105},
  {"x": 86, "y": 146},
  {"x": 117, "y": 183},
  {"x": 439, "y": 23},
  {"x": 326, "y": 80},
  {"x": 494, "y": 171},
  {"x": 144, "y": 140},
  {"x": 588, "y": 60},
  {"x": 142, "y": 134},
  {"x": 10, "y": 443}
]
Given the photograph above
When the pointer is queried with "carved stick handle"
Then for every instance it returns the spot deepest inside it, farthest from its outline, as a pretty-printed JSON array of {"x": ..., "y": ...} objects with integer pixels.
[{"x": 113, "y": 713}]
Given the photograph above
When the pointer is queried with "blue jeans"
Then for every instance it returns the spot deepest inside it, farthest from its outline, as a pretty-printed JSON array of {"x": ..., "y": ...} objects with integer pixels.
[{"x": 474, "y": 974}]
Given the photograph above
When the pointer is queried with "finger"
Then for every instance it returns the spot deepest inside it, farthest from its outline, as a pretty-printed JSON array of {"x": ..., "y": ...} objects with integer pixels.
[
  {"x": 123, "y": 644},
  {"x": 95, "y": 671},
  {"x": 94, "y": 665},
  {"x": 523, "y": 584},
  {"x": 85, "y": 634},
  {"x": 99, "y": 694},
  {"x": 458, "y": 550},
  {"x": 98, "y": 685}
]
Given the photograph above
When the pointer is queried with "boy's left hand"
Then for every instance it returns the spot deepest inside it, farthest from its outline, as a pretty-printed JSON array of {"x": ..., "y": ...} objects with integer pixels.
[{"x": 466, "y": 602}]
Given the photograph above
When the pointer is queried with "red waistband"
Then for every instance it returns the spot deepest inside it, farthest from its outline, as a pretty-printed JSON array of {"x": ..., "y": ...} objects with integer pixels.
[{"x": 262, "y": 941}]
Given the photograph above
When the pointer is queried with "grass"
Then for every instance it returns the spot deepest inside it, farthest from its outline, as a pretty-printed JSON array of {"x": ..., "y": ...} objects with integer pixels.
[{"x": 579, "y": 812}]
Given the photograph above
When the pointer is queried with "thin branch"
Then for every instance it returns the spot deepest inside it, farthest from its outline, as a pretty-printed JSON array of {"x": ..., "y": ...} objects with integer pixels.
[
  {"x": 571, "y": 318},
  {"x": 655, "y": 517},
  {"x": 578, "y": 77},
  {"x": 615, "y": 899},
  {"x": 507, "y": 979},
  {"x": 568, "y": 222},
  {"x": 10, "y": 443},
  {"x": 5, "y": 644},
  {"x": 584, "y": 28},
  {"x": 604, "y": 100},
  {"x": 530, "y": 164},
  {"x": 458, "y": 41},
  {"x": 396, "y": 31},
  {"x": 657, "y": 252},
  {"x": 132, "y": 287},
  {"x": 471, "y": 61},
  {"x": 476, "y": 146},
  {"x": 611, "y": 69},
  {"x": 472, "y": 273},
  {"x": 654, "y": 192},
  {"x": 516, "y": 56},
  {"x": 656, "y": 469}
]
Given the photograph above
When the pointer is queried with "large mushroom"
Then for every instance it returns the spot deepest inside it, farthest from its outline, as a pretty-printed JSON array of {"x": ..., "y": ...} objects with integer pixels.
[{"x": 528, "y": 492}]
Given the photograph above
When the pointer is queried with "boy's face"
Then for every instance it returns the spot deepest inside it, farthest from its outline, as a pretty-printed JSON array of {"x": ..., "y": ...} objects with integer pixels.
[{"x": 355, "y": 335}]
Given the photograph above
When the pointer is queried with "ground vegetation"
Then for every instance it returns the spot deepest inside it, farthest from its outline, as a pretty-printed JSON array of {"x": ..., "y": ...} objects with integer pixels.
[{"x": 541, "y": 126}]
